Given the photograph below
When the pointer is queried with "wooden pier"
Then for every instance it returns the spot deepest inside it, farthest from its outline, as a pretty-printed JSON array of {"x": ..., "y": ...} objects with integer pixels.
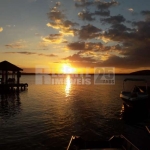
[
  {"x": 10, "y": 78},
  {"x": 13, "y": 87}
]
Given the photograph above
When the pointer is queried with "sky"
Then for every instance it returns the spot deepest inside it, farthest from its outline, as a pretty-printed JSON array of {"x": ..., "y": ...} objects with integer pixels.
[{"x": 81, "y": 34}]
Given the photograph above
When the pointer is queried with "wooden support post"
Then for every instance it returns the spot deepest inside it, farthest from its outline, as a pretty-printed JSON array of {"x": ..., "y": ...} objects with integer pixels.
[{"x": 18, "y": 80}]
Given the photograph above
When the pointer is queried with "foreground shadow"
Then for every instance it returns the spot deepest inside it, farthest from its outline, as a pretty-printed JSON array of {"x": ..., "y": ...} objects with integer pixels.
[{"x": 10, "y": 105}]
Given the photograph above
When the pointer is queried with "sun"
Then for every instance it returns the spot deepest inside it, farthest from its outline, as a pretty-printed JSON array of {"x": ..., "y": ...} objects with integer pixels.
[{"x": 67, "y": 69}]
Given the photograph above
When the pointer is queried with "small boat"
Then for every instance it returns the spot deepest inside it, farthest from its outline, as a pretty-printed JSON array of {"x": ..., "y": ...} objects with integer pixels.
[
  {"x": 118, "y": 142},
  {"x": 137, "y": 94}
]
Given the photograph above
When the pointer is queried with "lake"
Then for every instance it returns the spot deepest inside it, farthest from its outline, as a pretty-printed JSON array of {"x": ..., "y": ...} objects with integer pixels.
[{"x": 45, "y": 116}]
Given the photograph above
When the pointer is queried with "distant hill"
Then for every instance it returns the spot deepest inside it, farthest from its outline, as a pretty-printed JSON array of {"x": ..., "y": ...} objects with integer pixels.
[{"x": 141, "y": 72}]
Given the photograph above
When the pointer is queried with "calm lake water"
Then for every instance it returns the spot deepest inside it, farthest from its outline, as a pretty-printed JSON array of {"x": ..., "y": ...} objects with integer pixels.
[{"x": 45, "y": 116}]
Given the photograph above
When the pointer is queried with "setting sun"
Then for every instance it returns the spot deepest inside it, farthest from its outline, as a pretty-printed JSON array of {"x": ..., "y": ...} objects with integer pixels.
[{"x": 67, "y": 69}]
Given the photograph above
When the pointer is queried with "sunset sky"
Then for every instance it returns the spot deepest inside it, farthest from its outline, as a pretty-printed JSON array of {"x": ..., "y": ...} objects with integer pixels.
[{"x": 78, "y": 33}]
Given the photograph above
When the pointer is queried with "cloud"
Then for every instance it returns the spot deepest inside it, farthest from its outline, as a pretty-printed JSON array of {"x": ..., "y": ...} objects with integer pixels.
[
  {"x": 85, "y": 46},
  {"x": 53, "y": 38},
  {"x": 58, "y": 4},
  {"x": 59, "y": 21},
  {"x": 146, "y": 13},
  {"x": 65, "y": 27},
  {"x": 1, "y": 29},
  {"x": 48, "y": 55},
  {"x": 68, "y": 32},
  {"x": 100, "y": 4},
  {"x": 120, "y": 27},
  {"x": 105, "y": 5},
  {"x": 89, "y": 32},
  {"x": 104, "y": 39},
  {"x": 21, "y": 44},
  {"x": 32, "y": 53},
  {"x": 64, "y": 41},
  {"x": 134, "y": 45},
  {"x": 131, "y": 62},
  {"x": 126, "y": 44},
  {"x": 56, "y": 15},
  {"x": 83, "y": 3},
  {"x": 61, "y": 25},
  {"x": 114, "y": 19},
  {"x": 26, "y": 53},
  {"x": 86, "y": 15},
  {"x": 131, "y": 9},
  {"x": 143, "y": 30},
  {"x": 78, "y": 58},
  {"x": 102, "y": 13}
]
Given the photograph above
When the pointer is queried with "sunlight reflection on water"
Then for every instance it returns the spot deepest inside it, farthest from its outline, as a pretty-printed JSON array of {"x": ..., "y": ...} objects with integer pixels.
[{"x": 68, "y": 86}]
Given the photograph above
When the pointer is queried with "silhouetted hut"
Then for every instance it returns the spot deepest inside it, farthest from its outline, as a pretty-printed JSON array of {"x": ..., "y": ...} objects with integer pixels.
[{"x": 8, "y": 69}]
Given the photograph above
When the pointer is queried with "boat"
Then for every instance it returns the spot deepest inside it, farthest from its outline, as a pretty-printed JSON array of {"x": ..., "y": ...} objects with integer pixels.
[
  {"x": 137, "y": 93},
  {"x": 116, "y": 142}
]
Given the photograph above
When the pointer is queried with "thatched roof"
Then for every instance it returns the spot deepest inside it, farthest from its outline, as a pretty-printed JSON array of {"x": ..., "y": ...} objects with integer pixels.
[{"x": 7, "y": 66}]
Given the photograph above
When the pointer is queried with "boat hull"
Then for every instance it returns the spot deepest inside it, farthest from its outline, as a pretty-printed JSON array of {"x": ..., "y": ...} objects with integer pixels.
[{"x": 118, "y": 142}]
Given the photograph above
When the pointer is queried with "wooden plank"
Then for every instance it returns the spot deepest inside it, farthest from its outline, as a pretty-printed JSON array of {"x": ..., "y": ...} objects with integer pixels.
[{"x": 148, "y": 129}]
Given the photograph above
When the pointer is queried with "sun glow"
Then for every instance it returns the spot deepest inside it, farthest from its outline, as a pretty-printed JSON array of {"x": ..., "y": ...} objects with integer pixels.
[{"x": 67, "y": 69}]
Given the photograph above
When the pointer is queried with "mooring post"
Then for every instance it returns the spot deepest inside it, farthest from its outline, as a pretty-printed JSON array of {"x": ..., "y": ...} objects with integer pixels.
[{"x": 18, "y": 80}]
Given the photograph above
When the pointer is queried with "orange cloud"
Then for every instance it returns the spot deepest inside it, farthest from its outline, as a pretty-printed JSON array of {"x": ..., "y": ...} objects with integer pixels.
[
  {"x": 1, "y": 29},
  {"x": 53, "y": 38}
]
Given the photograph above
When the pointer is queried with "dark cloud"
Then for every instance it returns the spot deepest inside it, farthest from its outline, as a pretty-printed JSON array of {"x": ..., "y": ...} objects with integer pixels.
[
  {"x": 86, "y": 46},
  {"x": 47, "y": 55},
  {"x": 85, "y": 15},
  {"x": 146, "y": 12},
  {"x": 114, "y": 19},
  {"x": 55, "y": 14},
  {"x": 143, "y": 29},
  {"x": 76, "y": 46},
  {"x": 64, "y": 41},
  {"x": 54, "y": 38},
  {"x": 129, "y": 45},
  {"x": 83, "y": 3},
  {"x": 58, "y": 4},
  {"x": 32, "y": 53},
  {"x": 130, "y": 62},
  {"x": 121, "y": 27},
  {"x": 102, "y": 13},
  {"x": 59, "y": 21},
  {"x": 78, "y": 58},
  {"x": 120, "y": 33},
  {"x": 26, "y": 53},
  {"x": 68, "y": 24},
  {"x": 102, "y": 5},
  {"x": 89, "y": 32}
]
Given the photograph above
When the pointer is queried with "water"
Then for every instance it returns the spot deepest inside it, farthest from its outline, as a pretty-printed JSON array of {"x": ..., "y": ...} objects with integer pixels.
[{"x": 45, "y": 116}]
